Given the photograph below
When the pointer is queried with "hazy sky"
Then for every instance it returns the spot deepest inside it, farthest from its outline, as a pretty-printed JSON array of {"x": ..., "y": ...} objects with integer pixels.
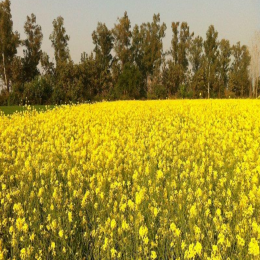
[{"x": 235, "y": 20}]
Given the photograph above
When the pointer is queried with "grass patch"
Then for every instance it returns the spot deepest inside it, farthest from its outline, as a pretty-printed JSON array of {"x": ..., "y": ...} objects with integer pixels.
[{"x": 8, "y": 110}]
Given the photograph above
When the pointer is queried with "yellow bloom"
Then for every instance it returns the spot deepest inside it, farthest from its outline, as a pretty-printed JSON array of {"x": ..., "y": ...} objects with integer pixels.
[
  {"x": 23, "y": 254},
  {"x": 159, "y": 175},
  {"x": 113, "y": 224},
  {"x": 153, "y": 255},
  {"x": 61, "y": 233},
  {"x": 143, "y": 231},
  {"x": 155, "y": 212},
  {"x": 52, "y": 245},
  {"x": 125, "y": 226},
  {"x": 70, "y": 216},
  {"x": 113, "y": 252},
  {"x": 198, "y": 248},
  {"x": 253, "y": 248}
]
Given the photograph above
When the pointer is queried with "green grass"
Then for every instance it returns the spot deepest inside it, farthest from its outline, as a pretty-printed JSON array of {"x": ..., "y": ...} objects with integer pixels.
[{"x": 8, "y": 110}]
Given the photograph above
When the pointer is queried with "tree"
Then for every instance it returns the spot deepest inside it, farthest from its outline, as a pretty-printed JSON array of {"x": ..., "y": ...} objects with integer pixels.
[
  {"x": 9, "y": 41},
  {"x": 180, "y": 44},
  {"x": 137, "y": 48},
  {"x": 32, "y": 53},
  {"x": 224, "y": 59},
  {"x": 211, "y": 54},
  {"x": 130, "y": 82},
  {"x": 17, "y": 71},
  {"x": 38, "y": 91},
  {"x": 122, "y": 37},
  {"x": 138, "y": 56},
  {"x": 197, "y": 61},
  {"x": 103, "y": 41},
  {"x": 88, "y": 76},
  {"x": 199, "y": 81},
  {"x": 147, "y": 51},
  {"x": 178, "y": 65},
  {"x": 60, "y": 40},
  {"x": 151, "y": 49},
  {"x": 64, "y": 71},
  {"x": 239, "y": 74},
  {"x": 196, "y": 54}
]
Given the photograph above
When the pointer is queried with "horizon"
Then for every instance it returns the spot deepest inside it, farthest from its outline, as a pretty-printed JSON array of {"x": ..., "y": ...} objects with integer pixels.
[{"x": 80, "y": 22}]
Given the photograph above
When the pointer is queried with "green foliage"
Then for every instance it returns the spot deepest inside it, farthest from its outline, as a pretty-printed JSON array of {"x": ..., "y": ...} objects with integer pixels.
[
  {"x": 198, "y": 63},
  {"x": 129, "y": 83},
  {"x": 224, "y": 59},
  {"x": 122, "y": 36},
  {"x": 178, "y": 65},
  {"x": 38, "y": 91},
  {"x": 211, "y": 48},
  {"x": 32, "y": 44},
  {"x": 160, "y": 91},
  {"x": 59, "y": 40},
  {"x": 184, "y": 92},
  {"x": 47, "y": 65},
  {"x": 173, "y": 76},
  {"x": 198, "y": 83},
  {"x": 103, "y": 41},
  {"x": 152, "y": 35},
  {"x": 239, "y": 74},
  {"x": 196, "y": 56}
]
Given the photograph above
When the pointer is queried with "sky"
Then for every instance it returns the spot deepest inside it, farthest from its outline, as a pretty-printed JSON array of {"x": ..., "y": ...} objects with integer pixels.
[{"x": 235, "y": 20}]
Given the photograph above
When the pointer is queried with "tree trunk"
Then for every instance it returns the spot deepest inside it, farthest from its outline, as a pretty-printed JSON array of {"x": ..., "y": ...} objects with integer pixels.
[
  {"x": 6, "y": 83},
  {"x": 256, "y": 87},
  {"x": 250, "y": 90},
  {"x": 208, "y": 90},
  {"x": 208, "y": 81}
]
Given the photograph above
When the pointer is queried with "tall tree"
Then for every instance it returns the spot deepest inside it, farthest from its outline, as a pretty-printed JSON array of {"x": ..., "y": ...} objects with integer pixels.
[
  {"x": 196, "y": 54},
  {"x": 137, "y": 50},
  {"x": 122, "y": 37},
  {"x": 88, "y": 75},
  {"x": 64, "y": 73},
  {"x": 60, "y": 40},
  {"x": 180, "y": 44},
  {"x": 239, "y": 74},
  {"x": 224, "y": 59},
  {"x": 103, "y": 41},
  {"x": 32, "y": 53},
  {"x": 197, "y": 61},
  {"x": 211, "y": 54},
  {"x": 178, "y": 65},
  {"x": 151, "y": 36},
  {"x": 9, "y": 41}
]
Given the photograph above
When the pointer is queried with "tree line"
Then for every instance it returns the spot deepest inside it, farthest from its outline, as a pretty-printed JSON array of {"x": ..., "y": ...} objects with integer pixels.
[{"x": 126, "y": 63}]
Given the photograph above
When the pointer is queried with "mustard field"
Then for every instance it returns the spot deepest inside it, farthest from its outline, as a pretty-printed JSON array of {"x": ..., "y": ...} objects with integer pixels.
[{"x": 131, "y": 180}]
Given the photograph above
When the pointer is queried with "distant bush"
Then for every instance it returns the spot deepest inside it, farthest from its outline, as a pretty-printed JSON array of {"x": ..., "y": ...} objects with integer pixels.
[
  {"x": 39, "y": 90},
  {"x": 184, "y": 92},
  {"x": 160, "y": 91}
]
